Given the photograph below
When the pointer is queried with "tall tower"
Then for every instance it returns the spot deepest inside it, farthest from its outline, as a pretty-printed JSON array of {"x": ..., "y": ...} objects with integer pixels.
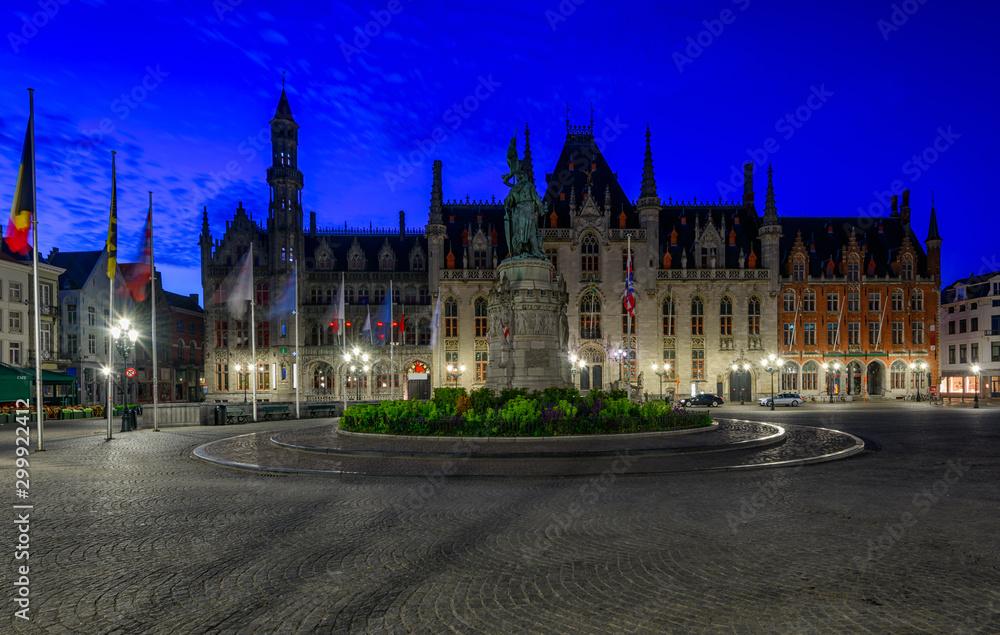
[
  {"x": 933, "y": 243},
  {"x": 285, "y": 181},
  {"x": 435, "y": 231},
  {"x": 770, "y": 234},
  {"x": 648, "y": 207},
  {"x": 205, "y": 243}
]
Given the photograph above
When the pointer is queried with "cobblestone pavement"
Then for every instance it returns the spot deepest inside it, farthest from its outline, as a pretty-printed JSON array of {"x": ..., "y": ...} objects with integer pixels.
[{"x": 136, "y": 536}]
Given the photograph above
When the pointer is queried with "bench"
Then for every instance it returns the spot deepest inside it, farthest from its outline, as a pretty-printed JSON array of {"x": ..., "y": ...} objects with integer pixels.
[
  {"x": 270, "y": 411},
  {"x": 237, "y": 415},
  {"x": 317, "y": 410}
]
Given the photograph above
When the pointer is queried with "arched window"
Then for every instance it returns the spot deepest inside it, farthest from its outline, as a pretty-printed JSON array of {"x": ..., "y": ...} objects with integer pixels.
[
  {"x": 788, "y": 302},
  {"x": 348, "y": 295},
  {"x": 897, "y": 375},
  {"x": 481, "y": 324},
  {"x": 590, "y": 316},
  {"x": 323, "y": 262},
  {"x": 810, "y": 375},
  {"x": 726, "y": 316},
  {"x": 425, "y": 295},
  {"x": 410, "y": 332},
  {"x": 180, "y": 350},
  {"x": 790, "y": 376},
  {"x": 590, "y": 260},
  {"x": 417, "y": 262},
  {"x": 809, "y": 302},
  {"x": 669, "y": 316},
  {"x": 897, "y": 300},
  {"x": 323, "y": 379},
  {"x": 362, "y": 295},
  {"x": 753, "y": 315},
  {"x": 193, "y": 353},
  {"x": 378, "y": 298},
  {"x": 314, "y": 336},
  {"x": 697, "y": 316},
  {"x": 450, "y": 318},
  {"x": 423, "y": 333},
  {"x": 357, "y": 262},
  {"x": 918, "y": 300}
]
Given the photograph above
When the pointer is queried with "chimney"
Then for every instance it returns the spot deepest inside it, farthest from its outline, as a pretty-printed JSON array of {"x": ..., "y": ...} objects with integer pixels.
[
  {"x": 895, "y": 207},
  {"x": 748, "y": 185},
  {"x": 312, "y": 223},
  {"x": 904, "y": 211},
  {"x": 402, "y": 224}
]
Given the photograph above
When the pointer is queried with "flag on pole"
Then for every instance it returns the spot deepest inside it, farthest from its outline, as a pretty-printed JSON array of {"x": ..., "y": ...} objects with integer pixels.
[
  {"x": 285, "y": 302},
  {"x": 368, "y": 325},
  {"x": 144, "y": 272},
  {"x": 384, "y": 322},
  {"x": 112, "y": 244},
  {"x": 629, "y": 290},
  {"x": 506, "y": 333},
  {"x": 24, "y": 196},
  {"x": 402, "y": 324},
  {"x": 338, "y": 309},
  {"x": 434, "y": 321},
  {"x": 240, "y": 287}
]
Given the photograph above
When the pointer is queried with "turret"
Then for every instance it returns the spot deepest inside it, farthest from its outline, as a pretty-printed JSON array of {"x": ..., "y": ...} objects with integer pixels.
[
  {"x": 933, "y": 244},
  {"x": 205, "y": 243},
  {"x": 285, "y": 180},
  {"x": 770, "y": 233},
  {"x": 435, "y": 232},
  {"x": 648, "y": 207}
]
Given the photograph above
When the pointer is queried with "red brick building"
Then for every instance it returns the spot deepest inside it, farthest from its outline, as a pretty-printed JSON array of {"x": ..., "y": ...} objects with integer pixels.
[{"x": 860, "y": 294}]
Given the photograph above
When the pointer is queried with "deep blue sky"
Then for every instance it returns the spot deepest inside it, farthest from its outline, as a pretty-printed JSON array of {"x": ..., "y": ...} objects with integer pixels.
[{"x": 216, "y": 82}]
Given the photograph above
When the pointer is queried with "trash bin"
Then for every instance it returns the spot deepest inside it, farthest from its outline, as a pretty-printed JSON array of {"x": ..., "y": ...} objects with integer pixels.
[{"x": 220, "y": 415}]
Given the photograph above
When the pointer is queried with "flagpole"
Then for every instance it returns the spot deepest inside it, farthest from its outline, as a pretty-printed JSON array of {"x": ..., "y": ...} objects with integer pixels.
[
  {"x": 34, "y": 262},
  {"x": 152, "y": 293},
  {"x": 295, "y": 365},
  {"x": 628, "y": 330},
  {"x": 111, "y": 297},
  {"x": 253, "y": 339},
  {"x": 392, "y": 345}
]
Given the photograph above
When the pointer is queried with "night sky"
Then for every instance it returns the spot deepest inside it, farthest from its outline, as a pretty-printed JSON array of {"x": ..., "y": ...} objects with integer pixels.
[{"x": 846, "y": 98}]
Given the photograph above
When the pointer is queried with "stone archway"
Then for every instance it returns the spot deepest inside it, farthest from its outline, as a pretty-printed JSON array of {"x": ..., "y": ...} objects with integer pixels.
[
  {"x": 875, "y": 378},
  {"x": 592, "y": 376},
  {"x": 740, "y": 383}
]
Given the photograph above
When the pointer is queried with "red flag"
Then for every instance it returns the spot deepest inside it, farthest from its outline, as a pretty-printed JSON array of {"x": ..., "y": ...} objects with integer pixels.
[
  {"x": 24, "y": 196},
  {"x": 402, "y": 322},
  {"x": 506, "y": 332},
  {"x": 144, "y": 272}
]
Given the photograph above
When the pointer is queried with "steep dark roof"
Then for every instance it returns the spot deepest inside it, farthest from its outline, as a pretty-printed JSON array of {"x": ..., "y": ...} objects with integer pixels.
[
  {"x": 284, "y": 111},
  {"x": 975, "y": 287},
  {"x": 473, "y": 216},
  {"x": 882, "y": 237},
  {"x": 683, "y": 218},
  {"x": 370, "y": 244},
  {"x": 79, "y": 266},
  {"x": 183, "y": 302}
]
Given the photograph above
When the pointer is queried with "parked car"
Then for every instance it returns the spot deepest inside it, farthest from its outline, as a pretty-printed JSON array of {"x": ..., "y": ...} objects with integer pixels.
[
  {"x": 704, "y": 399},
  {"x": 782, "y": 399}
]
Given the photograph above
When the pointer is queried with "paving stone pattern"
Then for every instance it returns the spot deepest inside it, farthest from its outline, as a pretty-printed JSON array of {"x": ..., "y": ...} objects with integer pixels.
[{"x": 136, "y": 536}]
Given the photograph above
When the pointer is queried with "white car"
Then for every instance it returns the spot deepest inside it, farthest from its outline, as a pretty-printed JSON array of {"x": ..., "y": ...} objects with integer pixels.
[{"x": 782, "y": 399}]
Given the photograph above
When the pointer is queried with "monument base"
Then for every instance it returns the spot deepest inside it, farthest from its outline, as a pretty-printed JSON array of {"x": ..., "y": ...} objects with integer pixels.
[{"x": 529, "y": 331}]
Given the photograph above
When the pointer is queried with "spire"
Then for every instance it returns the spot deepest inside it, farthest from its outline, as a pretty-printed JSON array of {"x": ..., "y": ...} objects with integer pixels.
[
  {"x": 528, "y": 168},
  {"x": 647, "y": 193},
  {"x": 567, "y": 117},
  {"x": 770, "y": 211},
  {"x": 283, "y": 111},
  {"x": 932, "y": 229},
  {"x": 436, "y": 218},
  {"x": 204, "y": 221},
  {"x": 748, "y": 187}
]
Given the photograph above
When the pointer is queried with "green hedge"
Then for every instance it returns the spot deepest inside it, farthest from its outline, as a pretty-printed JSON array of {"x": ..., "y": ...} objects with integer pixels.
[{"x": 554, "y": 411}]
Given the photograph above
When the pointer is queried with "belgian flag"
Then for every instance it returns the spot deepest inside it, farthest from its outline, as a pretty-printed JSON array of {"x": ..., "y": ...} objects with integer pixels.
[
  {"x": 113, "y": 224},
  {"x": 23, "y": 208}
]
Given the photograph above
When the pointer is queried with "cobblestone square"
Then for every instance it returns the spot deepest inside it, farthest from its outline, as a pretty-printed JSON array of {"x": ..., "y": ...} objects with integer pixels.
[{"x": 136, "y": 536}]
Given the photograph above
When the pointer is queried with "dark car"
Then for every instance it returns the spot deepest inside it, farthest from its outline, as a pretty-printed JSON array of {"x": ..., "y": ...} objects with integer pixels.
[{"x": 704, "y": 399}]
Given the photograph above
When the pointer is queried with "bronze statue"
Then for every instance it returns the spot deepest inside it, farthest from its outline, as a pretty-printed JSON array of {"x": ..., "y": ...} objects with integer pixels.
[{"x": 524, "y": 238}]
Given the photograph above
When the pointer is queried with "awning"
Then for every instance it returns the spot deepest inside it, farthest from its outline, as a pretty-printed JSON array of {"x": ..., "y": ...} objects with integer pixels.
[{"x": 15, "y": 383}]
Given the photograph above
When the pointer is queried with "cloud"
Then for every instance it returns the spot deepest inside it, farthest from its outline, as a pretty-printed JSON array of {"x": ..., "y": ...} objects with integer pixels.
[{"x": 270, "y": 35}]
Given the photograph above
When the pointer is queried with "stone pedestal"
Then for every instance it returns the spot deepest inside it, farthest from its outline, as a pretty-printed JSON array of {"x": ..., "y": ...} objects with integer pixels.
[{"x": 529, "y": 300}]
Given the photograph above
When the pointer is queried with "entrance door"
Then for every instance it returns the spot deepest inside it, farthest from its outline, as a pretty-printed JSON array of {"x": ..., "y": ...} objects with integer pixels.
[
  {"x": 874, "y": 378},
  {"x": 597, "y": 376},
  {"x": 739, "y": 383},
  {"x": 585, "y": 379}
]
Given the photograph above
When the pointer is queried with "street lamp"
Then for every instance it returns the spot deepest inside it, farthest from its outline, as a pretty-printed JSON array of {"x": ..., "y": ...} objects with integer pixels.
[
  {"x": 744, "y": 369},
  {"x": 576, "y": 366},
  {"x": 835, "y": 367},
  {"x": 620, "y": 356},
  {"x": 125, "y": 337},
  {"x": 661, "y": 370},
  {"x": 976, "y": 370},
  {"x": 245, "y": 376},
  {"x": 772, "y": 365},
  {"x": 918, "y": 367},
  {"x": 357, "y": 358},
  {"x": 454, "y": 372}
]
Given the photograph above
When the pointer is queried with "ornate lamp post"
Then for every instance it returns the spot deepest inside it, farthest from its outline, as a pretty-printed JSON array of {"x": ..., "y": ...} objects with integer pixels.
[
  {"x": 356, "y": 358},
  {"x": 243, "y": 371},
  {"x": 454, "y": 372},
  {"x": 576, "y": 366},
  {"x": 742, "y": 369},
  {"x": 661, "y": 371},
  {"x": 125, "y": 336},
  {"x": 619, "y": 354},
  {"x": 772, "y": 365},
  {"x": 835, "y": 367},
  {"x": 977, "y": 371},
  {"x": 917, "y": 368}
]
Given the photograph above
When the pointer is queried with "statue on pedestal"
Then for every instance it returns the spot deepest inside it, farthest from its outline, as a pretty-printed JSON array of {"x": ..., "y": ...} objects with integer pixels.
[{"x": 524, "y": 238}]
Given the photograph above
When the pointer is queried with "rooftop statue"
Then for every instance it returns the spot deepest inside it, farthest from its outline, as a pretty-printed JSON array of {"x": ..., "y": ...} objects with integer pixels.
[{"x": 523, "y": 207}]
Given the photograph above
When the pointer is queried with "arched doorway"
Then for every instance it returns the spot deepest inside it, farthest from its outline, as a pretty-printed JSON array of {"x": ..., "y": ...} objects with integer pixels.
[
  {"x": 740, "y": 384},
  {"x": 322, "y": 379},
  {"x": 853, "y": 379},
  {"x": 418, "y": 382},
  {"x": 876, "y": 378},
  {"x": 592, "y": 376}
]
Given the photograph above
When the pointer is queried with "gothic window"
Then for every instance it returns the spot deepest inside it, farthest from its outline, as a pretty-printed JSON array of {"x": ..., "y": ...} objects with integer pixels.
[
  {"x": 669, "y": 316},
  {"x": 425, "y": 295},
  {"x": 853, "y": 270},
  {"x": 918, "y": 300},
  {"x": 323, "y": 263},
  {"x": 262, "y": 295},
  {"x": 348, "y": 295},
  {"x": 417, "y": 262},
  {"x": 790, "y": 376},
  {"x": 362, "y": 295},
  {"x": 410, "y": 296},
  {"x": 357, "y": 262},
  {"x": 798, "y": 272},
  {"x": 450, "y": 318},
  {"x": 906, "y": 270},
  {"x": 726, "y": 317},
  {"x": 810, "y": 375},
  {"x": 697, "y": 316},
  {"x": 378, "y": 297},
  {"x": 590, "y": 259},
  {"x": 897, "y": 375},
  {"x": 753, "y": 316},
  {"x": 590, "y": 316},
  {"x": 788, "y": 302},
  {"x": 386, "y": 262},
  {"x": 481, "y": 323},
  {"x": 553, "y": 257},
  {"x": 628, "y": 322},
  {"x": 219, "y": 294}
]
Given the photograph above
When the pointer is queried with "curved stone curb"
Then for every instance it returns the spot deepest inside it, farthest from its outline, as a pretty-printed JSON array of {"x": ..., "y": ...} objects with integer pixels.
[
  {"x": 778, "y": 436},
  {"x": 569, "y": 437}
]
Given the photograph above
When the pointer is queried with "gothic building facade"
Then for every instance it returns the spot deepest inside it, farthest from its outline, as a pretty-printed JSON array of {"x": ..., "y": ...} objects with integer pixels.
[{"x": 709, "y": 278}]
